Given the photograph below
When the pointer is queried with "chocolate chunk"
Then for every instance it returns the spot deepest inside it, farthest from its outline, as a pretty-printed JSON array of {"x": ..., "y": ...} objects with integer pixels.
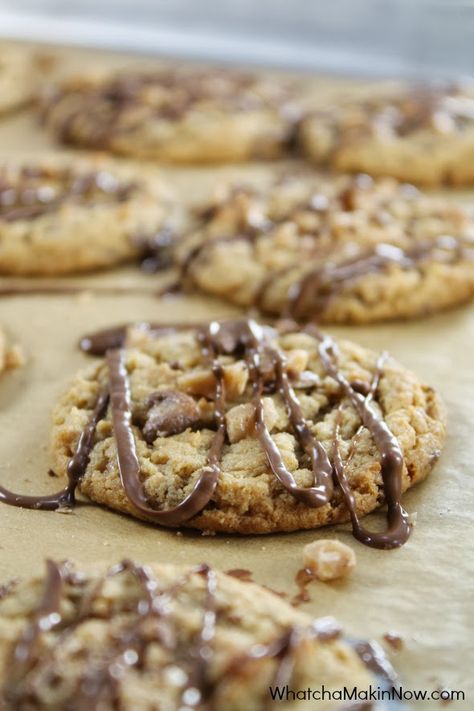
[{"x": 171, "y": 412}]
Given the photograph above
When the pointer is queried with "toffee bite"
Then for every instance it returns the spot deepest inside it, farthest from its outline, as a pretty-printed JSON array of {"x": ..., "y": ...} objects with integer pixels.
[
  {"x": 239, "y": 427},
  {"x": 126, "y": 634}
]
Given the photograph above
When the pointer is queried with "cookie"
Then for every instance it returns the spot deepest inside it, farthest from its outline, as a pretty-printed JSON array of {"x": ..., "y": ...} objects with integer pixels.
[
  {"x": 240, "y": 428},
  {"x": 126, "y": 635},
  {"x": 424, "y": 136},
  {"x": 11, "y": 356},
  {"x": 19, "y": 75},
  {"x": 179, "y": 115},
  {"x": 58, "y": 219},
  {"x": 334, "y": 250}
]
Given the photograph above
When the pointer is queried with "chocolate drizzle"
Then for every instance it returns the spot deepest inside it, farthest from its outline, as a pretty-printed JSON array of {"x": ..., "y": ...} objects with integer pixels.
[
  {"x": 313, "y": 293},
  {"x": 128, "y": 463},
  {"x": 256, "y": 346},
  {"x": 36, "y": 191},
  {"x": 33, "y": 662},
  {"x": 120, "y": 103},
  {"x": 329, "y": 270},
  {"x": 391, "y": 455},
  {"x": 75, "y": 470}
]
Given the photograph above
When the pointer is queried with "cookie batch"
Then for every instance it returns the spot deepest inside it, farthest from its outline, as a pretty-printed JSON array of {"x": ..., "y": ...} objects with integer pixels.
[{"x": 253, "y": 424}]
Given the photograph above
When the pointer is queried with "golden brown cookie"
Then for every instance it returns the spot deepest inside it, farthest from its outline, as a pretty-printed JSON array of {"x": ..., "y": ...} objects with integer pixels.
[
  {"x": 425, "y": 135},
  {"x": 150, "y": 637},
  {"x": 332, "y": 250},
  {"x": 64, "y": 218},
  {"x": 236, "y": 427},
  {"x": 180, "y": 115}
]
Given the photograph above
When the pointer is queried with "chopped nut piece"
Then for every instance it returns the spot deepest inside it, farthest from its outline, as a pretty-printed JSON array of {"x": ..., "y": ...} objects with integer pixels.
[
  {"x": 203, "y": 382},
  {"x": 10, "y": 356},
  {"x": 394, "y": 640},
  {"x": 297, "y": 361},
  {"x": 329, "y": 559},
  {"x": 171, "y": 412},
  {"x": 240, "y": 419}
]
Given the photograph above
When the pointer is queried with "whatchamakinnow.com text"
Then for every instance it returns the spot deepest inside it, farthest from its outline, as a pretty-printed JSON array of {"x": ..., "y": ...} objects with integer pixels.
[{"x": 371, "y": 693}]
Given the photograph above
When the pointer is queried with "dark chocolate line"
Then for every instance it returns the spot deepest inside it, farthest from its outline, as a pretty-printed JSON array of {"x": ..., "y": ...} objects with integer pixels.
[
  {"x": 76, "y": 468},
  {"x": 129, "y": 465}
]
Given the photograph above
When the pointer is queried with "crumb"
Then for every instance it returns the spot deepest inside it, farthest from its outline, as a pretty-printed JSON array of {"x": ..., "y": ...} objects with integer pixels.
[
  {"x": 412, "y": 518},
  {"x": 15, "y": 357},
  {"x": 329, "y": 559},
  {"x": 394, "y": 640}
]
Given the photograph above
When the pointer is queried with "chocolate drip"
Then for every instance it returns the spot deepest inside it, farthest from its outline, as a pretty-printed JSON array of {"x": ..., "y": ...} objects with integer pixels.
[
  {"x": 129, "y": 465},
  {"x": 315, "y": 290},
  {"x": 391, "y": 458},
  {"x": 47, "y": 617},
  {"x": 75, "y": 470},
  {"x": 255, "y": 344},
  {"x": 100, "y": 342}
]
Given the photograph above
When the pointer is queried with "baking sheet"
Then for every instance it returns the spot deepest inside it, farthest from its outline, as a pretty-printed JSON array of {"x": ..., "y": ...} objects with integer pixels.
[{"x": 422, "y": 591}]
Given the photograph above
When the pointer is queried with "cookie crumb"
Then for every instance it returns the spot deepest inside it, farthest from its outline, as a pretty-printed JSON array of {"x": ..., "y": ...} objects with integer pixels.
[
  {"x": 15, "y": 357},
  {"x": 394, "y": 640},
  {"x": 329, "y": 559}
]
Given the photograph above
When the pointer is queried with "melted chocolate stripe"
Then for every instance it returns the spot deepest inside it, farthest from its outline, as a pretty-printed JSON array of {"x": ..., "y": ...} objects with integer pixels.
[
  {"x": 76, "y": 468},
  {"x": 128, "y": 462},
  {"x": 28, "y": 201},
  {"x": 314, "y": 496},
  {"x": 320, "y": 285},
  {"x": 391, "y": 462}
]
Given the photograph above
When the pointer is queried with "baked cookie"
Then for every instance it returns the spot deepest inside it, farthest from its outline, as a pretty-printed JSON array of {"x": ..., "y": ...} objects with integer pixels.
[
  {"x": 424, "y": 136},
  {"x": 181, "y": 115},
  {"x": 148, "y": 637},
  {"x": 334, "y": 250},
  {"x": 57, "y": 219},
  {"x": 237, "y": 427},
  {"x": 11, "y": 356},
  {"x": 19, "y": 75}
]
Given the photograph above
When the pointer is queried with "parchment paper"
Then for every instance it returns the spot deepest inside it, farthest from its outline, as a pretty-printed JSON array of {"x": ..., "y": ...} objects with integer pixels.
[{"x": 423, "y": 592}]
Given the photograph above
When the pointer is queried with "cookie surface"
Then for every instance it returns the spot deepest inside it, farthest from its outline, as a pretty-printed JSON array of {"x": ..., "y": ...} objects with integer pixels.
[
  {"x": 334, "y": 250},
  {"x": 161, "y": 637},
  {"x": 57, "y": 219},
  {"x": 234, "y": 427},
  {"x": 19, "y": 77},
  {"x": 425, "y": 136},
  {"x": 177, "y": 115}
]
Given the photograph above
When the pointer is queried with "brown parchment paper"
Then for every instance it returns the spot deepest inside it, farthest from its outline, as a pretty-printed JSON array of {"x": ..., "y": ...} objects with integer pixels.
[{"x": 423, "y": 592}]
